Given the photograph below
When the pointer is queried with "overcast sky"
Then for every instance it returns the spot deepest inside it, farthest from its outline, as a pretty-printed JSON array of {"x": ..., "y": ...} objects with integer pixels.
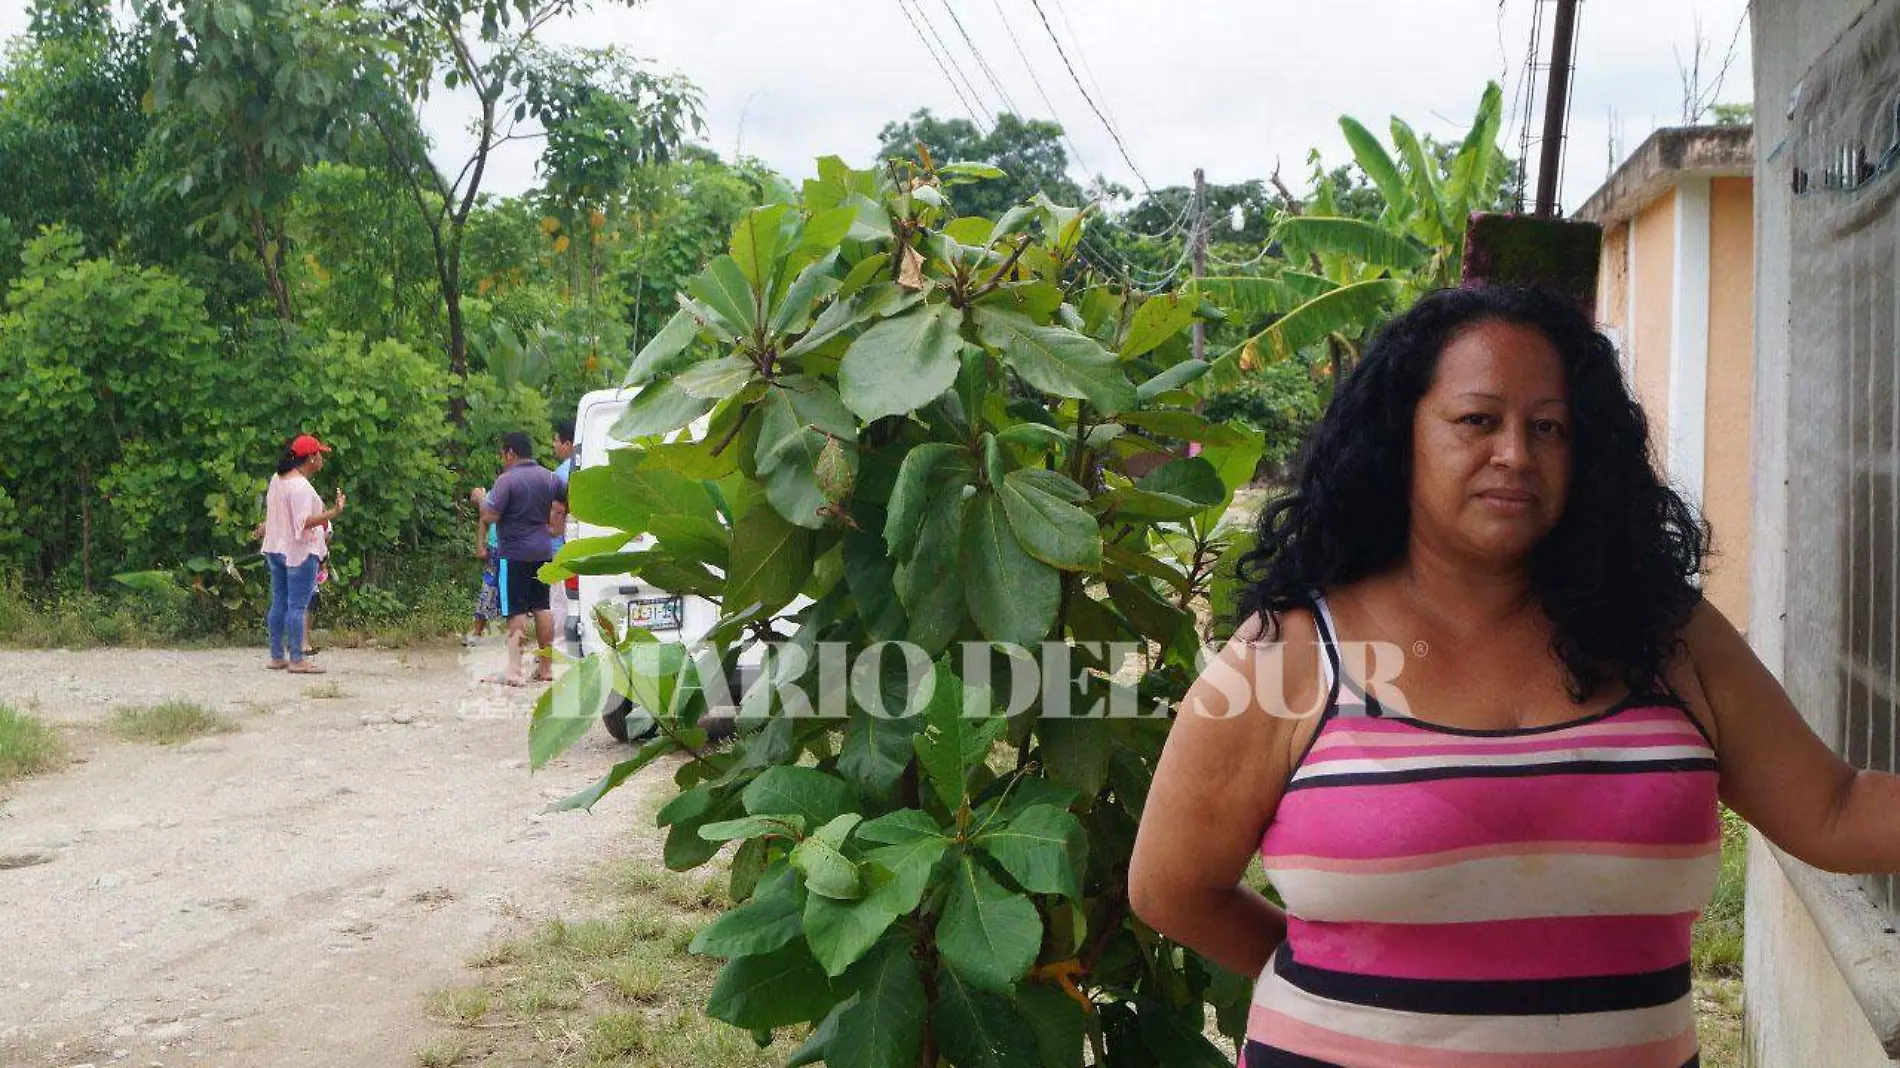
[{"x": 1233, "y": 86}]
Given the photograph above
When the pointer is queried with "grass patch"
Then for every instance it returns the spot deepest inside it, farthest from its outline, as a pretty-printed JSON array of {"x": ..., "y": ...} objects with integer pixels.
[
  {"x": 1716, "y": 944},
  {"x": 1719, "y": 1022},
  {"x": 325, "y": 691},
  {"x": 443, "y": 1054},
  {"x": 27, "y": 746},
  {"x": 610, "y": 990},
  {"x": 169, "y": 723}
]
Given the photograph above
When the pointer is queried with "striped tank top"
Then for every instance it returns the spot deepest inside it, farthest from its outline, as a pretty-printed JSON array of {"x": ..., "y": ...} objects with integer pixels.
[{"x": 1515, "y": 898}]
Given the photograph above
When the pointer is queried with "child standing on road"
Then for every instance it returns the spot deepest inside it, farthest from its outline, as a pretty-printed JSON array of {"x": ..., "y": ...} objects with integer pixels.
[{"x": 488, "y": 595}]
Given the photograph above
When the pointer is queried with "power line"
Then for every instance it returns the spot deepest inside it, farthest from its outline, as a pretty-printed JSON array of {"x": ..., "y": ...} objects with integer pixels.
[
  {"x": 1735, "y": 39},
  {"x": 1037, "y": 82},
  {"x": 982, "y": 64},
  {"x": 1093, "y": 106},
  {"x": 1082, "y": 54},
  {"x": 941, "y": 66},
  {"x": 968, "y": 82}
]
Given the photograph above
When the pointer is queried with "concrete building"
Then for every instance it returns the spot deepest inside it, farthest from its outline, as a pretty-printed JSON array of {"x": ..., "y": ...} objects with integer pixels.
[
  {"x": 1675, "y": 289},
  {"x": 1822, "y": 961}
]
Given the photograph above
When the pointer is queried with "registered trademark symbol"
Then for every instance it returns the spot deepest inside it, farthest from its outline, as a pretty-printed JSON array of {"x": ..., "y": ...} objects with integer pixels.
[{"x": 1420, "y": 648}]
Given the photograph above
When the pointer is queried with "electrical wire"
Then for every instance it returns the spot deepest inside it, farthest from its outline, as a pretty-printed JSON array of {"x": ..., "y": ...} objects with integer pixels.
[
  {"x": 949, "y": 69},
  {"x": 1093, "y": 106},
  {"x": 1037, "y": 82},
  {"x": 1075, "y": 41},
  {"x": 981, "y": 63}
]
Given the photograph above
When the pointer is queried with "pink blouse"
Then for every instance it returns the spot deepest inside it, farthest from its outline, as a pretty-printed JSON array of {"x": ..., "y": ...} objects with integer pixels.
[{"x": 288, "y": 506}]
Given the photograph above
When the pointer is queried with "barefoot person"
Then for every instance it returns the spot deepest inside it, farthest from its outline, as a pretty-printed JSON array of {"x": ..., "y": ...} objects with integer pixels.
[
  {"x": 294, "y": 547},
  {"x": 522, "y": 505}
]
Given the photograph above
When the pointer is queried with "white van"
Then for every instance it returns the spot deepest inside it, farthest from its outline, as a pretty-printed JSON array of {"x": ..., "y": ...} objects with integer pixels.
[{"x": 671, "y": 617}]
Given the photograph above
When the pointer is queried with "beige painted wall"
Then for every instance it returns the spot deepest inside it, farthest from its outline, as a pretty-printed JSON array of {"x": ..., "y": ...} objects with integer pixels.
[
  {"x": 1655, "y": 237},
  {"x": 1727, "y": 468},
  {"x": 1613, "y": 281}
]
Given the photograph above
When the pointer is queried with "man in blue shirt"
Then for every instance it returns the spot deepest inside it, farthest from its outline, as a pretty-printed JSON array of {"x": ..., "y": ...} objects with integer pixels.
[{"x": 526, "y": 504}]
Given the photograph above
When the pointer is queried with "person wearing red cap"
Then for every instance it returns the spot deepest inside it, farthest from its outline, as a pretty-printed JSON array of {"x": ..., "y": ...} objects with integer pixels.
[{"x": 294, "y": 548}]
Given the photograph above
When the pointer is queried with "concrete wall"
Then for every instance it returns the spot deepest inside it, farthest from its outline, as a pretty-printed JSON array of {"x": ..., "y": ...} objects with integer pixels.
[
  {"x": 1800, "y": 1010},
  {"x": 1652, "y": 291},
  {"x": 1727, "y": 461}
]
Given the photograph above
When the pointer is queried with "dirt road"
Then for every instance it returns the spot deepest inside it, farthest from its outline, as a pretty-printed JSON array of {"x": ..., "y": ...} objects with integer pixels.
[{"x": 289, "y": 894}]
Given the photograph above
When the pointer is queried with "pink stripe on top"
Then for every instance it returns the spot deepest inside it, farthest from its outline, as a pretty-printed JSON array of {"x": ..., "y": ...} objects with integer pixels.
[{"x": 1489, "y": 899}]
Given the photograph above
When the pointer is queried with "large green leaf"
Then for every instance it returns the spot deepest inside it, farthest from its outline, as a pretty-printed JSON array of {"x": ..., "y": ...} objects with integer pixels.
[
  {"x": 724, "y": 288},
  {"x": 1421, "y": 175},
  {"x": 1471, "y": 167},
  {"x": 1347, "y": 310},
  {"x": 988, "y": 935},
  {"x": 1372, "y": 159},
  {"x": 755, "y": 244},
  {"x": 1192, "y": 479},
  {"x": 567, "y": 710},
  {"x": 977, "y": 1029},
  {"x": 828, "y": 872},
  {"x": 1051, "y": 529},
  {"x": 839, "y": 932},
  {"x": 886, "y": 1027},
  {"x": 1076, "y": 752},
  {"x": 1159, "y": 318},
  {"x": 1012, "y": 595},
  {"x": 794, "y": 407},
  {"x": 1043, "y": 848},
  {"x": 666, "y": 352},
  {"x": 1056, "y": 359},
  {"x": 794, "y": 791},
  {"x": 717, "y": 379},
  {"x": 876, "y": 750},
  {"x": 908, "y": 867},
  {"x": 765, "y": 923},
  {"x": 952, "y": 744},
  {"x": 902, "y": 363},
  {"x": 911, "y": 494},
  {"x": 931, "y": 582},
  {"x": 1359, "y": 240},
  {"x": 776, "y": 989},
  {"x": 812, "y": 285},
  {"x": 659, "y": 407},
  {"x": 1057, "y": 1022},
  {"x": 771, "y": 560}
]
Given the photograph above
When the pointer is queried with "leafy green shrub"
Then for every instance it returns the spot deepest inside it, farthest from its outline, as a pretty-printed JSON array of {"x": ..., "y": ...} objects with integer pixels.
[
  {"x": 1282, "y": 402},
  {"x": 924, "y": 425}
]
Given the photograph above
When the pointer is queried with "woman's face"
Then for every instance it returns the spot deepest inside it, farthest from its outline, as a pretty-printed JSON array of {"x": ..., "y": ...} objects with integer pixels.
[{"x": 1491, "y": 445}]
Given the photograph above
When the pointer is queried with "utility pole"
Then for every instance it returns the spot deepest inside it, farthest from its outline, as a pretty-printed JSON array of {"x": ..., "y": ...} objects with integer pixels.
[
  {"x": 1199, "y": 237},
  {"x": 1556, "y": 102}
]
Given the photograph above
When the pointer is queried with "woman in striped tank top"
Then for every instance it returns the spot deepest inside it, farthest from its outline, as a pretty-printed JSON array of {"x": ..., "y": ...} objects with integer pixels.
[{"x": 1476, "y": 721}]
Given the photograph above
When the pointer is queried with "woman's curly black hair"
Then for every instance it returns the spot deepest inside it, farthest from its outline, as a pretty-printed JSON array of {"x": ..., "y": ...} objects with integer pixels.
[{"x": 1616, "y": 576}]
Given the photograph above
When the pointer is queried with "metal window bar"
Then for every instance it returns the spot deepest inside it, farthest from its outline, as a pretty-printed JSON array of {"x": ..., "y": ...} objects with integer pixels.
[{"x": 1869, "y": 653}]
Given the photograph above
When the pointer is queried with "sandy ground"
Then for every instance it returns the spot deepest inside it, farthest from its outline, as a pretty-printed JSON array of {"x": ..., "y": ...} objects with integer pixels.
[{"x": 287, "y": 895}]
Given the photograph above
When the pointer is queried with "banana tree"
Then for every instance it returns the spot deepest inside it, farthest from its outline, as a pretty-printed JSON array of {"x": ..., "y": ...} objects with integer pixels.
[
  {"x": 1337, "y": 276},
  {"x": 918, "y": 428}
]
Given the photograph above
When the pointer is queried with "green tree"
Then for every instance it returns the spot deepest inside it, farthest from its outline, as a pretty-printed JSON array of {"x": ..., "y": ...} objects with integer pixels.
[
  {"x": 472, "y": 45},
  {"x": 71, "y": 126},
  {"x": 926, "y": 425},
  {"x": 249, "y": 93},
  {"x": 1029, "y": 152}
]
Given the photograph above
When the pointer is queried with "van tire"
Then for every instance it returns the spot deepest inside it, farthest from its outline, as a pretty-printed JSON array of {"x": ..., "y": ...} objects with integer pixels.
[
  {"x": 719, "y": 723},
  {"x": 615, "y": 720}
]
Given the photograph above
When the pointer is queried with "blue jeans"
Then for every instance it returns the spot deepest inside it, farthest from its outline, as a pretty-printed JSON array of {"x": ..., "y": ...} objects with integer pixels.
[{"x": 289, "y": 595}]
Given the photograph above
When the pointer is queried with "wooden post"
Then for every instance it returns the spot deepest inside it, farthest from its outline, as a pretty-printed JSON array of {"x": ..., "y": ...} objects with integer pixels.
[{"x": 1556, "y": 101}]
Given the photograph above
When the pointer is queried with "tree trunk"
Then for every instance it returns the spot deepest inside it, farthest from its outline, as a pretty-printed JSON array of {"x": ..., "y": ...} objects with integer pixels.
[
  {"x": 272, "y": 262},
  {"x": 85, "y": 521}
]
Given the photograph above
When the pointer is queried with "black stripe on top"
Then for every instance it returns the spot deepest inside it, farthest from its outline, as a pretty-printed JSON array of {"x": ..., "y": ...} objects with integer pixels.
[
  {"x": 1508, "y": 771},
  {"x": 1261, "y": 1055},
  {"x": 1489, "y": 997}
]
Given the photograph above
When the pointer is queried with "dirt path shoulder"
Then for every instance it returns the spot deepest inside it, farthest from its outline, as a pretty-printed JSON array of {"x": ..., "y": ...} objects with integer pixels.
[{"x": 287, "y": 894}]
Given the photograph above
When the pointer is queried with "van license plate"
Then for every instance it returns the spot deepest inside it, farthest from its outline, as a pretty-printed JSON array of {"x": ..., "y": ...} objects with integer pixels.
[{"x": 657, "y": 613}]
